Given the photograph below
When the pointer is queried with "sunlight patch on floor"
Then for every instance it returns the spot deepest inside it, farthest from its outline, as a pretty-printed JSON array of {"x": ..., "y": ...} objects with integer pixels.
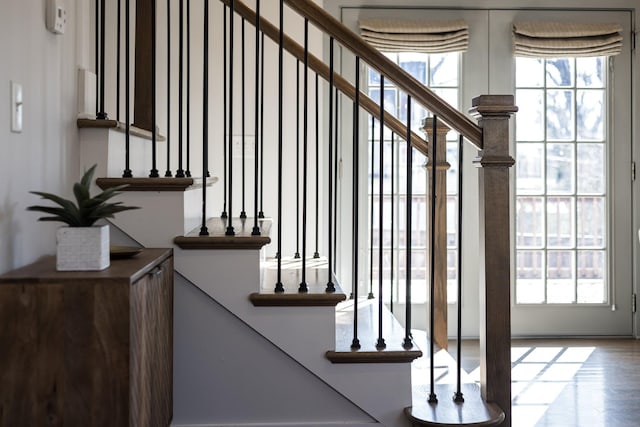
[{"x": 539, "y": 375}]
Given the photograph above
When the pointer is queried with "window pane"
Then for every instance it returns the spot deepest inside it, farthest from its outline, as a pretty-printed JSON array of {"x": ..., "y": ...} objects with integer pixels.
[
  {"x": 591, "y": 221},
  {"x": 529, "y": 120},
  {"x": 530, "y": 277},
  {"x": 529, "y": 72},
  {"x": 560, "y": 115},
  {"x": 444, "y": 69},
  {"x": 560, "y": 226},
  {"x": 590, "y": 117},
  {"x": 591, "y": 161},
  {"x": 417, "y": 69},
  {"x": 591, "y": 274},
  {"x": 530, "y": 226},
  {"x": 389, "y": 100},
  {"x": 449, "y": 95},
  {"x": 415, "y": 64},
  {"x": 530, "y": 168},
  {"x": 560, "y": 72},
  {"x": 374, "y": 77},
  {"x": 452, "y": 221},
  {"x": 560, "y": 175},
  {"x": 560, "y": 277},
  {"x": 452, "y": 172},
  {"x": 590, "y": 72}
]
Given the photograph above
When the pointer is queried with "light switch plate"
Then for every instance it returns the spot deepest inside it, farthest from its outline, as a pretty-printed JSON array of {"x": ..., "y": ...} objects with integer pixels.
[{"x": 16, "y": 107}]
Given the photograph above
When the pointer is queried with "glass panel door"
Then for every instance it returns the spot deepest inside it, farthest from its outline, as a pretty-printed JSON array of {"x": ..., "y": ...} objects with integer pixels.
[{"x": 572, "y": 201}]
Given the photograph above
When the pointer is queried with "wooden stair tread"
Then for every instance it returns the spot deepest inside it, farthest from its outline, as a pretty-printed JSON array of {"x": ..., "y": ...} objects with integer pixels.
[
  {"x": 393, "y": 334},
  {"x": 119, "y": 126},
  {"x": 291, "y": 276},
  {"x": 147, "y": 184},
  {"x": 447, "y": 413},
  {"x": 217, "y": 239}
]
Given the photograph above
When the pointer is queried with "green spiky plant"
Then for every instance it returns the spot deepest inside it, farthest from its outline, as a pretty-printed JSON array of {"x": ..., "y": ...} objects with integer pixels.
[{"x": 86, "y": 210}]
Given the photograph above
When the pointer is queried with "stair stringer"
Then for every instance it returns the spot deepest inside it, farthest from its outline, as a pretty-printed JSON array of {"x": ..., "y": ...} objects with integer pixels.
[
  {"x": 381, "y": 390},
  {"x": 225, "y": 374}
]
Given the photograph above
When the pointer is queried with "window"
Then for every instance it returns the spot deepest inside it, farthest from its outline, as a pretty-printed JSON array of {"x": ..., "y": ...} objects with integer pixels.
[
  {"x": 440, "y": 72},
  {"x": 561, "y": 184}
]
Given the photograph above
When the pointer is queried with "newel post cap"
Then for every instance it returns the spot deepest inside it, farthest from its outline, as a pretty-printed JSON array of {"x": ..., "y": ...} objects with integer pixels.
[{"x": 492, "y": 105}]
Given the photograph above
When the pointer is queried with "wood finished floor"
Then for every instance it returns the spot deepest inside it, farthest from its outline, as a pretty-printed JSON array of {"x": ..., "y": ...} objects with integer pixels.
[{"x": 556, "y": 382}]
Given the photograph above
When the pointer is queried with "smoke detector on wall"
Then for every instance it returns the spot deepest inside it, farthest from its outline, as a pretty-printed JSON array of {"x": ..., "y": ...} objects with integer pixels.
[{"x": 56, "y": 16}]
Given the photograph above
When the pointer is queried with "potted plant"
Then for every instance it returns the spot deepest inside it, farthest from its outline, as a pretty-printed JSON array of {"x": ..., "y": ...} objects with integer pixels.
[{"x": 82, "y": 245}]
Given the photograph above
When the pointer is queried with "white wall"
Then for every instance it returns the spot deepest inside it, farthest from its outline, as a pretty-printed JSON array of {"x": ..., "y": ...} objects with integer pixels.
[{"x": 45, "y": 155}]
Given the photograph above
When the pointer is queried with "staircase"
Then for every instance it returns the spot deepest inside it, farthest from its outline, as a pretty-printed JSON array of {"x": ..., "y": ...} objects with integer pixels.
[{"x": 246, "y": 355}]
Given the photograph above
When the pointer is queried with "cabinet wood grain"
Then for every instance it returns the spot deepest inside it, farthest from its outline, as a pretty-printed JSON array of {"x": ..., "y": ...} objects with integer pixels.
[{"x": 87, "y": 348}]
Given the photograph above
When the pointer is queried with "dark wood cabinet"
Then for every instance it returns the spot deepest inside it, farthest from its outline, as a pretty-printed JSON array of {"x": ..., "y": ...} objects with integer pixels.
[{"x": 88, "y": 348}]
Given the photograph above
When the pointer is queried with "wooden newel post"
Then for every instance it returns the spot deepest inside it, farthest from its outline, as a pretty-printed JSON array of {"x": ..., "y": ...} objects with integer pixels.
[
  {"x": 440, "y": 291},
  {"x": 493, "y": 113}
]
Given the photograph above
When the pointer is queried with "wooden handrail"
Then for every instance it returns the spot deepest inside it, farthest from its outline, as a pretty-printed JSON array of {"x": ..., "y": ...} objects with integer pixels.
[
  {"x": 375, "y": 59},
  {"x": 318, "y": 66}
]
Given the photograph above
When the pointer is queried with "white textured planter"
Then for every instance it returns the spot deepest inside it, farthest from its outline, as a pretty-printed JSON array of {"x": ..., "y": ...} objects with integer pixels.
[{"x": 83, "y": 248}]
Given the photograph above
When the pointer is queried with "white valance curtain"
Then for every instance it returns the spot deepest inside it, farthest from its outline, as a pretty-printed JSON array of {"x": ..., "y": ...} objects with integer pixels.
[
  {"x": 555, "y": 39},
  {"x": 396, "y": 35}
]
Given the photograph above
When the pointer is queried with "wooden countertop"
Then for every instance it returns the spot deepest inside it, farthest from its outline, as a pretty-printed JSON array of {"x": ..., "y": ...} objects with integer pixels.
[{"x": 44, "y": 269}]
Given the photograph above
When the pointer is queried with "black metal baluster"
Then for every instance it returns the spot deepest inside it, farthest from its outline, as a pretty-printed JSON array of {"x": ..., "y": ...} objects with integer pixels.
[
  {"x": 261, "y": 212},
  {"x": 380, "y": 344},
  {"x": 243, "y": 212},
  {"x": 102, "y": 115},
  {"x": 335, "y": 179},
  {"x": 373, "y": 168},
  {"x": 118, "y": 55},
  {"x": 97, "y": 56},
  {"x": 180, "y": 170},
  {"x": 225, "y": 107},
  {"x": 355, "y": 343},
  {"x": 187, "y": 172},
  {"x": 230, "y": 231},
  {"x": 297, "y": 254},
  {"x": 205, "y": 120},
  {"x": 392, "y": 220},
  {"x": 127, "y": 69},
  {"x": 168, "y": 173},
  {"x": 459, "y": 397},
  {"x": 256, "y": 229},
  {"x": 330, "y": 285},
  {"x": 316, "y": 254},
  {"x": 305, "y": 141},
  {"x": 154, "y": 96},
  {"x": 432, "y": 285},
  {"x": 279, "y": 286},
  {"x": 407, "y": 344}
]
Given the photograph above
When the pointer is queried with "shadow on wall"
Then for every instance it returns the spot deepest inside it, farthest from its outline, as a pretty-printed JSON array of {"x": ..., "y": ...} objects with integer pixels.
[{"x": 9, "y": 229}]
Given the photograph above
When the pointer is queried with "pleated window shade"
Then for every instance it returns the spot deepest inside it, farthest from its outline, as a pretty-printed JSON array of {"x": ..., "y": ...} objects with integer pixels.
[
  {"x": 396, "y": 35},
  {"x": 561, "y": 39}
]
